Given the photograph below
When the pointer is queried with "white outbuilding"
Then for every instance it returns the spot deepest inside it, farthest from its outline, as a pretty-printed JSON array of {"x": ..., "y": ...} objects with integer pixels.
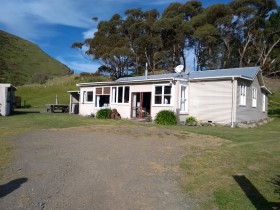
[{"x": 7, "y": 99}]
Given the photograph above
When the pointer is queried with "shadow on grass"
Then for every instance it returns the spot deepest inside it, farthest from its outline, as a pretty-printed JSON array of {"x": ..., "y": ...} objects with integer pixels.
[
  {"x": 274, "y": 113},
  {"x": 276, "y": 183},
  {"x": 21, "y": 112},
  {"x": 252, "y": 193},
  {"x": 11, "y": 186}
]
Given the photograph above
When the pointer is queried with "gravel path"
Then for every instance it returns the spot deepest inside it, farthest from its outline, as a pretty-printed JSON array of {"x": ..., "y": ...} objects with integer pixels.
[{"x": 96, "y": 168}]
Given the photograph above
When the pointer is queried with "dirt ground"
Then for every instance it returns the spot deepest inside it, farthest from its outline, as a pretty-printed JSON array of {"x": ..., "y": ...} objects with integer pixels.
[{"x": 106, "y": 167}]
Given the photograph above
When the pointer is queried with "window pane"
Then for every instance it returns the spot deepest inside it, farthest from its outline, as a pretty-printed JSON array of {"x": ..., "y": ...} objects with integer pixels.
[
  {"x": 157, "y": 99},
  {"x": 114, "y": 94},
  {"x": 90, "y": 96},
  {"x": 167, "y": 89},
  {"x": 120, "y": 94},
  {"x": 158, "y": 90},
  {"x": 167, "y": 99},
  {"x": 126, "y": 94},
  {"x": 97, "y": 100}
]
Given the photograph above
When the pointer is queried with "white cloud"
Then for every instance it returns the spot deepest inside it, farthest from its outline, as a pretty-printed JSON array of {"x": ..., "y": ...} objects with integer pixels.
[
  {"x": 89, "y": 33},
  {"x": 78, "y": 63}
]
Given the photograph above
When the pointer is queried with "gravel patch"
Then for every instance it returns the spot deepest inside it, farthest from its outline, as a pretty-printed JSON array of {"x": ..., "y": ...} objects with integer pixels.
[{"x": 105, "y": 167}]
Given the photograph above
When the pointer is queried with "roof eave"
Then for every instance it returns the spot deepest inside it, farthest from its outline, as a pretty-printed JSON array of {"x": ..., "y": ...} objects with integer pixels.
[
  {"x": 222, "y": 77},
  {"x": 123, "y": 82}
]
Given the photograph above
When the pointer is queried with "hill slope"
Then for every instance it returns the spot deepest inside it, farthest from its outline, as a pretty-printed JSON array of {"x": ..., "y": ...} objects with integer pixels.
[{"x": 22, "y": 62}]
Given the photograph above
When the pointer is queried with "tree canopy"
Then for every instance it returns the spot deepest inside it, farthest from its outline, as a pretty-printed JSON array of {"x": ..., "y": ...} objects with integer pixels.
[{"x": 238, "y": 34}]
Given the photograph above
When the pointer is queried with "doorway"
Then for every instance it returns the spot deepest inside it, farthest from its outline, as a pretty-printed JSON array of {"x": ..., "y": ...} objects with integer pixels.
[{"x": 141, "y": 105}]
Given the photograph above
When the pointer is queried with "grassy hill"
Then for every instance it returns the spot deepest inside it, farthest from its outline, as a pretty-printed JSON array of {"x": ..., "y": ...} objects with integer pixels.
[
  {"x": 22, "y": 62},
  {"x": 37, "y": 95}
]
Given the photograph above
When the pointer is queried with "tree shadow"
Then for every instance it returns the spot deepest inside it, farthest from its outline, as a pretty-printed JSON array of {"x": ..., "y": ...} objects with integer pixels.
[
  {"x": 252, "y": 193},
  {"x": 274, "y": 113},
  {"x": 11, "y": 186},
  {"x": 21, "y": 112},
  {"x": 276, "y": 183}
]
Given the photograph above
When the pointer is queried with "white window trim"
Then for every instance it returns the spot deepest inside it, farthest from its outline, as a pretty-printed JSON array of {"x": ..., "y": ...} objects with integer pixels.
[
  {"x": 117, "y": 95},
  {"x": 96, "y": 103},
  {"x": 162, "y": 104},
  {"x": 84, "y": 97},
  {"x": 243, "y": 95},
  {"x": 186, "y": 99},
  {"x": 254, "y": 97},
  {"x": 263, "y": 102}
]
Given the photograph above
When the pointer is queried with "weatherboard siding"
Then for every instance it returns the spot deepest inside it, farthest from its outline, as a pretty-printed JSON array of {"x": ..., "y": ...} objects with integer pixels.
[
  {"x": 211, "y": 101},
  {"x": 247, "y": 112}
]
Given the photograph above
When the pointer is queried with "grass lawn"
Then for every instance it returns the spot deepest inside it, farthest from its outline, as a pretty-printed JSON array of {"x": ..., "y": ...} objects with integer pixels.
[{"x": 241, "y": 173}]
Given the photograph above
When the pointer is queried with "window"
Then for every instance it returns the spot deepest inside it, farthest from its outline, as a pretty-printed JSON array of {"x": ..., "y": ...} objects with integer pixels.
[
  {"x": 87, "y": 96},
  {"x": 183, "y": 99},
  {"x": 102, "y": 97},
  {"x": 254, "y": 97},
  {"x": 120, "y": 94},
  {"x": 263, "y": 102},
  {"x": 163, "y": 94},
  {"x": 243, "y": 95}
]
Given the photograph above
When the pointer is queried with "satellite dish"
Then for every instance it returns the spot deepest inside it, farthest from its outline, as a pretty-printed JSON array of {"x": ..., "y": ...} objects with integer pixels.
[{"x": 179, "y": 68}]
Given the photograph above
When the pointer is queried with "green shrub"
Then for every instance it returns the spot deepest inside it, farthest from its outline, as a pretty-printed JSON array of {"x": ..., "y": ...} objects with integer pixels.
[
  {"x": 103, "y": 113},
  {"x": 166, "y": 117},
  {"x": 191, "y": 120}
]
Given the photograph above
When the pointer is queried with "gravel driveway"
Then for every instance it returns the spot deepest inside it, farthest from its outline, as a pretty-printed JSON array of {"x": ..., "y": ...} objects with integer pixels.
[{"x": 108, "y": 167}]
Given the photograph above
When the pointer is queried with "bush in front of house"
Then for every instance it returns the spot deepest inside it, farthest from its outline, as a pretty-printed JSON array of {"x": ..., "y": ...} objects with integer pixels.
[
  {"x": 103, "y": 113},
  {"x": 191, "y": 121},
  {"x": 166, "y": 117}
]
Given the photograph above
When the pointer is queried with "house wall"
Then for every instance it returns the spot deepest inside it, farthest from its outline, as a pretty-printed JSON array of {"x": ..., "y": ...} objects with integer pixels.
[
  {"x": 86, "y": 108},
  {"x": 247, "y": 112},
  {"x": 124, "y": 109},
  {"x": 211, "y": 101}
]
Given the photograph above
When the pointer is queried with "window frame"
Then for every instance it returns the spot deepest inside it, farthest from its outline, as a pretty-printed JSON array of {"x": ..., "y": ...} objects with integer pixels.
[
  {"x": 85, "y": 96},
  {"x": 98, "y": 95},
  {"x": 243, "y": 95},
  {"x": 185, "y": 99},
  {"x": 254, "y": 97},
  {"x": 263, "y": 102},
  {"x": 163, "y": 94},
  {"x": 116, "y": 99}
]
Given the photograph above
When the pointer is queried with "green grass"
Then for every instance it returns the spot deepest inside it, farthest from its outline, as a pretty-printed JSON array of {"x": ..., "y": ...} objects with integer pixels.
[
  {"x": 37, "y": 95},
  {"x": 208, "y": 169}
]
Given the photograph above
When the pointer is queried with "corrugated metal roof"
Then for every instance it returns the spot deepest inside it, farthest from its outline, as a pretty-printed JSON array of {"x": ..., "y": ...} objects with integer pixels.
[
  {"x": 246, "y": 72},
  {"x": 150, "y": 77}
]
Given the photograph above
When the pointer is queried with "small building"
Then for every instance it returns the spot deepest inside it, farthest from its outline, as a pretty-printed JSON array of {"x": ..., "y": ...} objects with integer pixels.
[
  {"x": 225, "y": 96},
  {"x": 7, "y": 99}
]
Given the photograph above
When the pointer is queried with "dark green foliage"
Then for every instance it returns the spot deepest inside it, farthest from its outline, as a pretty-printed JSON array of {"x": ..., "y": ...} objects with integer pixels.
[
  {"x": 191, "y": 120},
  {"x": 166, "y": 117},
  {"x": 238, "y": 34},
  {"x": 103, "y": 113}
]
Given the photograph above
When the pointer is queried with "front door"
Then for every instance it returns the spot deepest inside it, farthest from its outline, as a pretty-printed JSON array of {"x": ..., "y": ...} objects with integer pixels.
[{"x": 141, "y": 104}]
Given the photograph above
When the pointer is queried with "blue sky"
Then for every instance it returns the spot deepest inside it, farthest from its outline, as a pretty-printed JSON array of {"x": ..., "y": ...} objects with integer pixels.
[{"x": 54, "y": 25}]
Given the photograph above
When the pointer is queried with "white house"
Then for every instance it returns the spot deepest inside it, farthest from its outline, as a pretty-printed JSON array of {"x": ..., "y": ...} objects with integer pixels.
[
  {"x": 7, "y": 99},
  {"x": 224, "y": 96}
]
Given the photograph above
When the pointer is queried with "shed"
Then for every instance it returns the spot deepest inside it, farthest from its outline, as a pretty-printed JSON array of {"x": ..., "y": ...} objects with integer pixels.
[{"x": 7, "y": 99}]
